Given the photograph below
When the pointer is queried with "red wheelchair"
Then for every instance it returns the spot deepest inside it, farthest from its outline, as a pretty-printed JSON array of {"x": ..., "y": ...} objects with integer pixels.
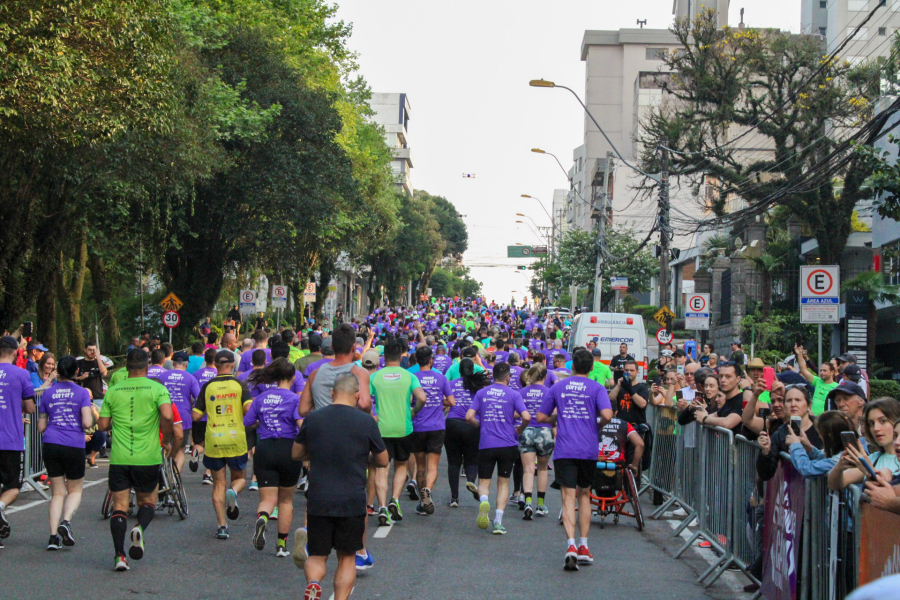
[{"x": 614, "y": 493}]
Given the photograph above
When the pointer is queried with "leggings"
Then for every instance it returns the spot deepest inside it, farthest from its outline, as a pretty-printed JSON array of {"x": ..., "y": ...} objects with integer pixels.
[
  {"x": 518, "y": 473},
  {"x": 461, "y": 441}
]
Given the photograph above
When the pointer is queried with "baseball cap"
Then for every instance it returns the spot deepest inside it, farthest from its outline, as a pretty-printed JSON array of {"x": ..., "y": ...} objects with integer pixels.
[
  {"x": 8, "y": 342},
  {"x": 224, "y": 356},
  {"x": 596, "y": 352},
  {"x": 180, "y": 357},
  {"x": 847, "y": 357},
  {"x": 666, "y": 353},
  {"x": 737, "y": 343},
  {"x": 38, "y": 346},
  {"x": 846, "y": 387},
  {"x": 370, "y": 358},
  {"x": 852, "y": 372}
]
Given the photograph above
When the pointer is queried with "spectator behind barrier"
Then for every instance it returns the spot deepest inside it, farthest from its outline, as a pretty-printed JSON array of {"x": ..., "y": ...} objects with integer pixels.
[
  {"x": 797, "y": 402},
  {"x": 879, "y": 418}
]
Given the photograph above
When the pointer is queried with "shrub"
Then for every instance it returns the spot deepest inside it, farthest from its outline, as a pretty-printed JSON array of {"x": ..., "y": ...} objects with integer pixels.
[{"x": 883, "y": 387}]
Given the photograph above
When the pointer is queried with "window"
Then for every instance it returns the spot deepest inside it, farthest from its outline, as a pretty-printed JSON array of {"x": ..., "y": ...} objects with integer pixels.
[
  {"x": 823, "y": 3},
  {"x": 882, "y": 31},
  {"x": 656, "y": 53},
  {"x": 822, "y": 31},
  {"x": 858, "y": 5}
]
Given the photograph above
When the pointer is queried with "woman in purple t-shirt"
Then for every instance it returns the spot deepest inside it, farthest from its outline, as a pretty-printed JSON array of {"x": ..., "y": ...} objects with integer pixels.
[
  {"x": 64, "y": 413},
  {"x": 460, "y": 437},
  {"x": 536, "y": 442}
]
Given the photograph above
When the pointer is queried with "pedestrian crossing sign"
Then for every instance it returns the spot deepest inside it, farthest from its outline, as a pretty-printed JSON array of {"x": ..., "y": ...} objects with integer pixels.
[{"x": 171, "y": 303}]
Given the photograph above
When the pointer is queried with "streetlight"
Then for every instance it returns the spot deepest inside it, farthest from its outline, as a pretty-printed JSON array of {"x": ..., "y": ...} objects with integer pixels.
[
  {"x": 539, "y": 151},
  {"x": 541, "y": 203},
  {"x": 536, "y": 234}
]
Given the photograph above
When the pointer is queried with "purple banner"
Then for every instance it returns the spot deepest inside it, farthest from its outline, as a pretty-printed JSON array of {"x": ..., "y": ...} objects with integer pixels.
[{"x": 785, "y": 498}]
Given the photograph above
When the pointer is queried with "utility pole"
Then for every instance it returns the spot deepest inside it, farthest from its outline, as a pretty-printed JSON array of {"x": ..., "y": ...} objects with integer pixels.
[
  {"x": 664, "y": 224},
  {"x": 601, "y": 233}
]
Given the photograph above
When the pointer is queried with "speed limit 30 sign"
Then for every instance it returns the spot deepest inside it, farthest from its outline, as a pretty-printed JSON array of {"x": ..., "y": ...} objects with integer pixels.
[
  {"x": 696, "y": 312},
  {"x": 171, "y": 319}
]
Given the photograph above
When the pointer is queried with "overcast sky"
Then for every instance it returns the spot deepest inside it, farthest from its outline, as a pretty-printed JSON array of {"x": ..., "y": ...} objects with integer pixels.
[{"x": 465, "y": 66}]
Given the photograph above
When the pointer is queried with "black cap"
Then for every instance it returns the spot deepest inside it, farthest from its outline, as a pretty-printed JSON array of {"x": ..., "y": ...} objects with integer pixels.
[
  {"x": 180, "y": 357},
  {"x": 224, "y": 356},
  {"x": 596, "y": 352},
  {"x": 8, "y": 342},
  {"x": 847, "y": 357},
  {"x": 847, "y": 387}
]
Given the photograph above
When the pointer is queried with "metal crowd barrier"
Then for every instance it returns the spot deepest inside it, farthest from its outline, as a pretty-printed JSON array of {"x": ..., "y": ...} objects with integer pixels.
[
  {"x": 746, "y": 498},
  {"x": 814, "y": 574},
  {"x": 714, "y": 514},
  {"x": 34, "y": 453},
  {"x": 662, "y": 458}
]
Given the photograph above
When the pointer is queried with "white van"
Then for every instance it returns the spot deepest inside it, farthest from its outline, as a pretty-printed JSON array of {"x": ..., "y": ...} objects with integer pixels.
[{"x": 608, "y": 331}]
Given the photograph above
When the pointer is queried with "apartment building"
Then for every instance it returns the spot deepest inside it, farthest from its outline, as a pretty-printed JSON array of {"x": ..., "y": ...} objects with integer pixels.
[{"x": 392, "y": 111}]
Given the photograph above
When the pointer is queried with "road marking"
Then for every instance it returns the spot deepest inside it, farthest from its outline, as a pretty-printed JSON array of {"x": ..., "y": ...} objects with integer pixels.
[
  {"x": 15, "y": 509},
  {"x": 382, "y": 532}
]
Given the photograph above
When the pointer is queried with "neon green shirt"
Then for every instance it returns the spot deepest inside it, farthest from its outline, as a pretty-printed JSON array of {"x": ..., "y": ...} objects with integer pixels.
[
  {"x": 391, "y": 389},
  {"x": 600, "y": 373},
  {"x": 821, "y": 393},
  {"x": 133, "y": 405}
]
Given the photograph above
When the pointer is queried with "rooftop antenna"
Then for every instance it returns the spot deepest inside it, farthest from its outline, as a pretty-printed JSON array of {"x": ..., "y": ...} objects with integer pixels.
[{"x": 642, "y": 23}]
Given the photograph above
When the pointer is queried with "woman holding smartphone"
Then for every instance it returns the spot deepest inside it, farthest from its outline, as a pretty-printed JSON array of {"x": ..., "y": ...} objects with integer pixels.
[
  {"x": 797, "y": 402},
  {"x": 879, "y": 419}
]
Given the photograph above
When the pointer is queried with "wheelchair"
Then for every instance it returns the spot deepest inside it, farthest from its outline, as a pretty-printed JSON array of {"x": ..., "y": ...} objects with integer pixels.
[
  {"x": 171, "y": 494},
  {"x": 614, "y": 489}
]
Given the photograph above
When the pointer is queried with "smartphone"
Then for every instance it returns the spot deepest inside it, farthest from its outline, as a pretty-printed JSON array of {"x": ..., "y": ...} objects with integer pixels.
[
  {"x": 27, "y": 329},
  {"x": 679, "y": 395},
  {"x": 768, "y": 377},
  {"x": 680, "y": 369},
  {"x": 868, "y": 468},
  {"x": 764, "y": 413},
  {"x": 795, "y": 424},
  {"x": 848, "y": 438}
]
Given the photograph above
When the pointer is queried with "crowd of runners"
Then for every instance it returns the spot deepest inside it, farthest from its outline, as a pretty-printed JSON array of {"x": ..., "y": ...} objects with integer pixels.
[{"x": 327, "y": 414}]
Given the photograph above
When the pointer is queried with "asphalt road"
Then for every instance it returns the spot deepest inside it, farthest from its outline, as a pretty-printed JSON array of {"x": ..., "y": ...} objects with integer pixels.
[{"x": 440, "y": 556}]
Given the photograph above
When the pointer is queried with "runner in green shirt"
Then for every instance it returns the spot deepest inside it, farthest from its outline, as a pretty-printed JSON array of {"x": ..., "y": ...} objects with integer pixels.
[
  {"x": 600, "y": 373},
  {"x": 392, "y": 389},
  {"x": 138, "y": 411},
  {"x": 821, "y": 385}
]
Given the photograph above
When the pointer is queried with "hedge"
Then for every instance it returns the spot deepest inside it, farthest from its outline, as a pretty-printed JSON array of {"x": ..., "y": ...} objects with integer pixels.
[{"x": 883, "y": 387}]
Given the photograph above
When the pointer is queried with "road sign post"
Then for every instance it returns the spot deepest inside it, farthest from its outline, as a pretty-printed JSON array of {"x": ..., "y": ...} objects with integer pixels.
[
  {"x": 664, "y": 337},
  {"x": 171, "y": 303},
  {"x": 820, "y": 302},
  {"x": 663, "y": 315},
  {"x": 279, "y": 302},
  {"x": 171, "y": 319},
  {"x": 248, "y": 302},
  {"x": 696, "y": 315}
]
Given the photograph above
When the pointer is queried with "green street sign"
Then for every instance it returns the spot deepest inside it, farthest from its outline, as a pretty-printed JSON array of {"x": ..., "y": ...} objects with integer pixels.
[{"x": 519, "y": 252}]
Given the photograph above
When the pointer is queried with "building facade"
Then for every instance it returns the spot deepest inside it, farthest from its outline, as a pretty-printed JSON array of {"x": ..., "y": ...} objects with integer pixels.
[
  {"x": 835, "y": 20},
  {"x": 392, "y": 111}
]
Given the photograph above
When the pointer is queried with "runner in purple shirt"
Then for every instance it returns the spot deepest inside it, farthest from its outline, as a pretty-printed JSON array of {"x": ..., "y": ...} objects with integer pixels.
[
  {"x": 536, "y": 442},
  {"x": 581, "y": 408},
  {"x": 442, "y": 362},
  {"x": 183, "y": 388},
  {"x": 16, "y": 397},
  {"x": 427, "y": 439},
  {"x": 260, "y": 338},
  {"x": 496, "y": 408},
  {"x": 64, "y": 413},
  {"x": 315, "y": 365},
  {"x": 276, "y": 415}
]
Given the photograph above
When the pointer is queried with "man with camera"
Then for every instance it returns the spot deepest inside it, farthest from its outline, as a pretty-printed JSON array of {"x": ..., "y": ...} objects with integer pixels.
[{"x": 91, "y": 371}]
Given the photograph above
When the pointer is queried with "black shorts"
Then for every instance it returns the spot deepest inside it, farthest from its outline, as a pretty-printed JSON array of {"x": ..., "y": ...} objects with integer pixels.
[
  {"x": 574, "y": 472},
  {"x": 64, "y": 461},
  {"x": 140, "y": 478},
  {"x": 342, "y": 534},
  {"x": 502, "y": 458},
  {"x": 398, "y": 448},
  {"x": 252, "y": 438},
  {"x": 198, "y": 432},
  {"x": 12, "y": 469},
  {"x": 431, "y": 442},
  {"x": 273, "y": 465}
]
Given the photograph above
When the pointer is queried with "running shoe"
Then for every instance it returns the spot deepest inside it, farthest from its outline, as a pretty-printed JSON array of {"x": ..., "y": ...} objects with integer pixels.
[
  {"x": 137, "y": 543},
  {"x": 194, "y": 463},
  {"x": 92, "y": 463},
  {"x": 55, "y": 543},
  {"x": 231, "y": 507},
  {"x": 474, "y": 490},
  {"x": 300, "y": 553},
  {"x": 274, "y": 515},
  {"x": 384, "y": 519},
  {"x": 584, "y": 556},
  {"x": 571, "y": 562},
  {"x": 412, "y": 489},
  {"x": 529, "y": 513},
  {"x": 454, "y": 502},
  {"x": 259, "y": 538},
  {"x": 313, "y": 591},
  {"x": 5, "y": 529},
  {"x": 420, "y": 510},
  {"x": 541, "y": 511},
  {"x": 364, "y": 563},
  {"x": 207, "y": 479},
  {"x": 282, "y": 550},
  {"x": 121, "y": 564},
  {"x": 65, "y": 532},
  {"x": 427, "y": 502},
  {"x": 394, "y": 508},
  {"x": 222, "y": 533},
  {"x": 253, "y": 487},
  {"x": 499, "y": 529},
  {"x": 370, "y": 510},
  {"x": 705, "y": 544},
  {"x": 303, "y": 485},
  {"x": 483, "y": 520},
  {"x": 521, "y": 501}
]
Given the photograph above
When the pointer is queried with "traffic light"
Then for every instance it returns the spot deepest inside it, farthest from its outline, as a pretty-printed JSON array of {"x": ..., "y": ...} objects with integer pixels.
[{"x": 521, "y": 267}]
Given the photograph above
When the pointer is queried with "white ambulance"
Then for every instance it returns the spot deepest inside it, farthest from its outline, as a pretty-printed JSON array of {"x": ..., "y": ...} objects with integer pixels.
[{"x": 608, "y": 331}]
